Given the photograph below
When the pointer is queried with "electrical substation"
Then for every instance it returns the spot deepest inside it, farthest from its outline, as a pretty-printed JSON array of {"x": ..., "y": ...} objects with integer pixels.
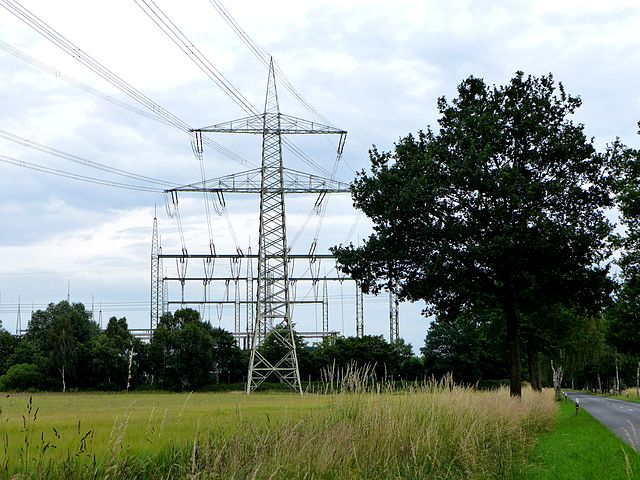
[
  {"x": 262, "y": 286},
  {"x": 254, "y": 294}
]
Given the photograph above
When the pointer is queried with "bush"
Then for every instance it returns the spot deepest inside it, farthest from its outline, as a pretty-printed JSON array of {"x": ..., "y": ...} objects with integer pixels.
[{"x": 21, "y": 377}]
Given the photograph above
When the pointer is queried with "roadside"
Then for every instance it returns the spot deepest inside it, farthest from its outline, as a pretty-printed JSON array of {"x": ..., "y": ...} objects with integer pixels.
[
  {"x": 581, "y": 448},
  {"x": 619, "y": 416}
]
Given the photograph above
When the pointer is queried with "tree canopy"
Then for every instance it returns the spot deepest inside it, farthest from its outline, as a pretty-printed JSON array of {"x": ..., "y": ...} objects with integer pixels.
[{"x": 503, "y": 207}]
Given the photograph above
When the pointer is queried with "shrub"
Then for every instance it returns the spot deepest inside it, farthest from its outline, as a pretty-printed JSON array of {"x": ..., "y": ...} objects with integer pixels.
[{"x": 21, "y": 377}]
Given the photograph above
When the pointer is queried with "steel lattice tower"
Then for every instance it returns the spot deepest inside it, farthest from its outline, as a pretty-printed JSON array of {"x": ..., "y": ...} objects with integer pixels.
[
  {"x": 156, "y": 278},
  {"x": 273, "y": 310}
]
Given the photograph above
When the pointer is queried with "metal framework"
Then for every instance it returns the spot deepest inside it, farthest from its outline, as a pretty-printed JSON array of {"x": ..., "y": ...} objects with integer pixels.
[
  {"x": 156, "y": 275},
  {"x": 270, "y": 294},
  {"x": 273, "y": 315}
]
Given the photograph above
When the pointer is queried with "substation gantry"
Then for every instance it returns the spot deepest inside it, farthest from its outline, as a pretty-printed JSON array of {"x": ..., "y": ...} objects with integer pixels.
[{"x": 269, "y": 314}]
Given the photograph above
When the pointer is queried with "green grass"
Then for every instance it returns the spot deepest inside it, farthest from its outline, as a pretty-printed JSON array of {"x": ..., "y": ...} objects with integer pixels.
[
  {"x": 581, "y": 448},
  {"x": 432, "y": 431},
  {"x": 141, "y": 423}
]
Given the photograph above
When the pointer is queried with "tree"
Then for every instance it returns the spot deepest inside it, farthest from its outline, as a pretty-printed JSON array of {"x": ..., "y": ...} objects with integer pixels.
[
  {"x": 228, "y": 362},
  {"x": 57, "y": 337},
  {"x": 109, "y": 352},
  {"x": 369, "y": 350},
  {"x": 7, "y": 347},
  {"x": 181, "y": 350},
  {"x": 623, "y": 318},
  {"x": 466, "y": 347},
  {"x": 502, "y": 208}
]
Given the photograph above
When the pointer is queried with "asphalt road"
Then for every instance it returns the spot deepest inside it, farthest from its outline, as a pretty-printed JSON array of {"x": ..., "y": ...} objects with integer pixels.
[{"x": 622, "y": 418}]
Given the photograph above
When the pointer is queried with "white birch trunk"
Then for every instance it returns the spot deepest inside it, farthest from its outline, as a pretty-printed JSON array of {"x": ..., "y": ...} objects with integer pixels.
[
  {"x": 557, "y": 380},
  {"x": 129, "y": 371}
]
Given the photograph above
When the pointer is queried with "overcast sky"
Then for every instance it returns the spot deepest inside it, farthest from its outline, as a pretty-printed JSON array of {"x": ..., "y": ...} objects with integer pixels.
[{"x": 373, "y": 68}]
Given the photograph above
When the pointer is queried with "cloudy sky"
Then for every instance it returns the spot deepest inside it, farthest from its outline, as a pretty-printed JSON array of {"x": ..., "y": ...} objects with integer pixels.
[{"x": 373, "y": 68}]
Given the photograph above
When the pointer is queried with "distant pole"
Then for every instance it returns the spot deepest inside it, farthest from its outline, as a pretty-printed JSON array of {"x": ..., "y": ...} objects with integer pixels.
[
  {"x": 69, "y": 291},
  {"x": 18, "y": 320}
]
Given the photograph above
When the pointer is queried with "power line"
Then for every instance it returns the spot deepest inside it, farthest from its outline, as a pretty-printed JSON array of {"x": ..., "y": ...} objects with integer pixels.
[
  {"x": 92, "y": 64},
  {"x": 188, "y": 47},
  {"x": 75, "y": 176},
  {"x": 78, "y": 84},
  {"x": 81, "y": 161},
  {"x": 264, "y": 57}
]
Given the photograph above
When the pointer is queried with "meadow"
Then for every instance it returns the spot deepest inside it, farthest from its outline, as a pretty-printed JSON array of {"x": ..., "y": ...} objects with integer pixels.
[{"x": 435, "y": 430}]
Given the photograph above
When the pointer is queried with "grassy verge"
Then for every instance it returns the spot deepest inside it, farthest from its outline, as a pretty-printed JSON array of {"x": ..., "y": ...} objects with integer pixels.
[
  {"x": 434, "y": 431},
  {"x": 581, "y": 448}
]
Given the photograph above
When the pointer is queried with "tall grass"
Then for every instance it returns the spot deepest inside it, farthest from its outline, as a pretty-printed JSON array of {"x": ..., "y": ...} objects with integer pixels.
[{"x": 364, "y": 430}]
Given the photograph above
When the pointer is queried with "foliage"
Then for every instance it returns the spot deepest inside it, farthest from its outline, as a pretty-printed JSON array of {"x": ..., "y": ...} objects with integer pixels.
[
  {"x": 21, "y": 377},
  {"x": 466, "y": 347},
  {"x": 388, "y": 360},
  {"x": 229, "y": 364},
  {"x": 181, "y": 350},
  {"x": 502, "y": 208},
  {"x": 56, "y": 337},
  {"x": 109, "y": 354},
  {"x": 7, "y": 348}
]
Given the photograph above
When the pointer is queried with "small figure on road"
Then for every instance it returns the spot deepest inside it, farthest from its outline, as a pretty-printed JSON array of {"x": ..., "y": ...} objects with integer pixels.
[{"x": 577, "y": 405}]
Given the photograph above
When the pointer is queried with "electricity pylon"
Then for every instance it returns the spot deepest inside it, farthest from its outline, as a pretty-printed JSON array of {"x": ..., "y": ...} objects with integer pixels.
[
  {"x": 273, "y": 299},
  {"x": 156, "y": 278}
]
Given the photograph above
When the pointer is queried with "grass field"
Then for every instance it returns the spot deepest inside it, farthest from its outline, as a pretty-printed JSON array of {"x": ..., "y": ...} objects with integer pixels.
[
  {"x": 581, "y": 448},
  {"x": 429, "y": 432}
]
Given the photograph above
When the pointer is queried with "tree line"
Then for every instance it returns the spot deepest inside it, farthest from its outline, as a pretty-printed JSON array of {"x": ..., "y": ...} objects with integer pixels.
[{"x": 64, "y": 349}]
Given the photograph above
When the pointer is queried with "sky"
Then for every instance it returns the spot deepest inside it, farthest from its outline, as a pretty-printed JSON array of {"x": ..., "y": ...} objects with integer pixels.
[{"x": 373, "y": 68}]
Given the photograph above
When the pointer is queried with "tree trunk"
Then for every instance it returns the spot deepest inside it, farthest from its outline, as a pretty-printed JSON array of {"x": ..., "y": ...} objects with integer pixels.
[
  {"x": 599, "y": 384},
  {"x": 616, "y": 387},
  {"x": 64, "y": 383},
  {"x": 557, "y": 380},
  {"x": 638, "y": 381},
  {"x": 129, "y": 369},
  {"x": 515, "y": 380},
  {"x": 534, "y": 366}
]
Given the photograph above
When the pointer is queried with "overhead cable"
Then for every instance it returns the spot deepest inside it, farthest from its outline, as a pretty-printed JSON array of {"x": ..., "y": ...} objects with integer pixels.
[
  {"x": 188, "y": 47},
  {"x": 82, "y": 161},
  {"x": 67, "y": 46},
  {"x": 76, "y": 176}
]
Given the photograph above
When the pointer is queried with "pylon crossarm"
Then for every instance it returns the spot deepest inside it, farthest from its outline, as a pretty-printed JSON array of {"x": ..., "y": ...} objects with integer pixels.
[
  {"x": 250, "y": 182},
  {"x": 282, "y": 125}
]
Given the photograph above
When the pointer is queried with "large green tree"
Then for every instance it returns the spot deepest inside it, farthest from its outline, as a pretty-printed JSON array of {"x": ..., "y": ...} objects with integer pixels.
[
  {"x": 58, "y": 338},
  {"x": 110, "y": 353},
  {"x": 623, "y": 319},
  {"x": 181, "y": 351},
  {"x": 501, "y": 208}
]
